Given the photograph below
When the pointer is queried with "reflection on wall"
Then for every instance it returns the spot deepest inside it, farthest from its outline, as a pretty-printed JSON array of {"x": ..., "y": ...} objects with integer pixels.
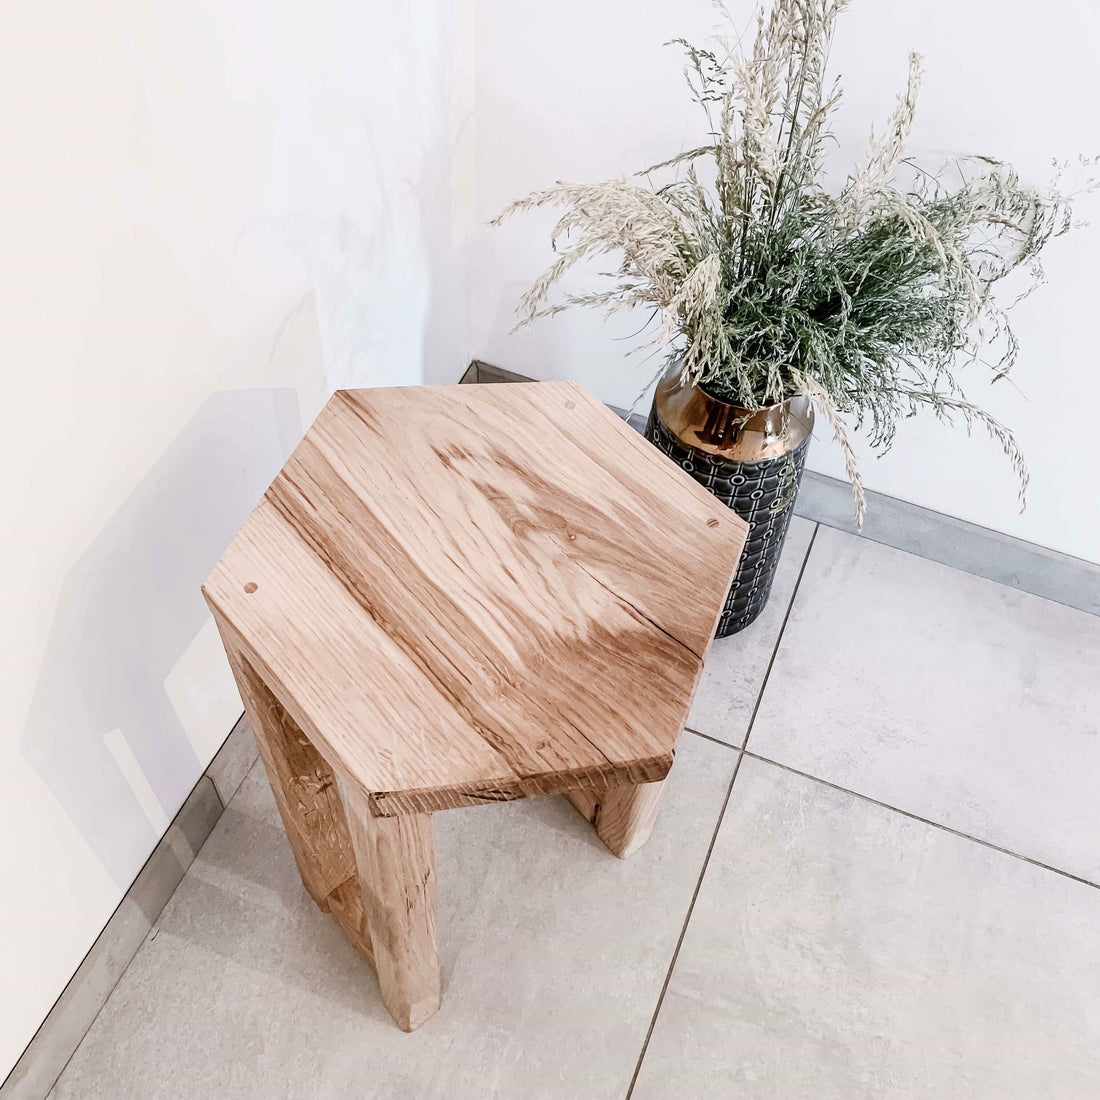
[
  {"x": 129, "y": 609},
  {"x": 200, "y": 199}
]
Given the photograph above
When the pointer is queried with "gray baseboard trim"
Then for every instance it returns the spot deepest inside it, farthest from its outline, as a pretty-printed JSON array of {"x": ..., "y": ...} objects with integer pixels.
[
  {"x": 1022, "y": 565},
  {"x": 75, "y": 1010},
  {"x": 479, "y": 371},
  {"x": 233, "y": 761}
]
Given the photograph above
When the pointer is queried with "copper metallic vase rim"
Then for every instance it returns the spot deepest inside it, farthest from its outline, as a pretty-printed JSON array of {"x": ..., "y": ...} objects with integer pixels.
[
  {"x": 752, "y": 410},
  {"x": 731, "y": 432}
]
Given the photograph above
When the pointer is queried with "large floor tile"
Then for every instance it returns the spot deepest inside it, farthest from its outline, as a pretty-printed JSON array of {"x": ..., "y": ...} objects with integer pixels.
[
  {"x": 736, "y": 666},
  {"x": 553, "y": 956},
  {"x": 841, "y": 951},
  {"x": 952, "y": 697}
]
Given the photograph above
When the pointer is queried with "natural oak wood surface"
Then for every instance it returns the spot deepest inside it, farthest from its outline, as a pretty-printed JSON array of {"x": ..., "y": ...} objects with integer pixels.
[
  {"x": 462, "y": 594},
  {"x": 396, "y": 859},
  {"x": 305, "y": 793},
  {"x": 623, "y": 816},
  {"x": 452, "y": 595}
]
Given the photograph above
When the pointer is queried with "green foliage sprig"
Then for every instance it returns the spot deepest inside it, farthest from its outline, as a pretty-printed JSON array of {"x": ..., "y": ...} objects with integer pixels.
[{"x": 867, "y": 299}]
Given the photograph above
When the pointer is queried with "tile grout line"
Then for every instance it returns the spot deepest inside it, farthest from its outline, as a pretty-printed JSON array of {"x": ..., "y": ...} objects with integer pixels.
[
  {"x": 683, "y": 930},
  {"x": 893, "y": 809},
  {"x": 922, "y": 820},
  {"x": 771, "y": 660},
  {"x": 746, "y": 751},
  {"x": 717, "y": 825},
  {"x": 779, "y": 636},
  {"x": 713, "y": 740}
]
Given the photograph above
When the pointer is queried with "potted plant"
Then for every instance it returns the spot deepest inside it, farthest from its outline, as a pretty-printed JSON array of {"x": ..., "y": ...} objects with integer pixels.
[{"x": 777, "y": 293}]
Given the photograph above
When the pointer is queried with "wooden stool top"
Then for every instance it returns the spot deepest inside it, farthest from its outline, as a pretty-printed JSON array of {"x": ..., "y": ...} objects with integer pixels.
[{"x": 466, "y": 594}]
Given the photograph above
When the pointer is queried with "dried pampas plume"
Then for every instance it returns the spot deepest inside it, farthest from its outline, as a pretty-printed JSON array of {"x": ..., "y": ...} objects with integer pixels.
[{"x": 867, "y": 298}]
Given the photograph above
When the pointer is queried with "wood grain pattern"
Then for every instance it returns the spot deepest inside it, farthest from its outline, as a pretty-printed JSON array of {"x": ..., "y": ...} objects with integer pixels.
[
  {"x": 586, "y": 801},
  {"x": 396, "y": 858},
  {"x": 623, "y": 816},
  {"x": 473, "y": 593},
  {"x": 305, "y": 793}
]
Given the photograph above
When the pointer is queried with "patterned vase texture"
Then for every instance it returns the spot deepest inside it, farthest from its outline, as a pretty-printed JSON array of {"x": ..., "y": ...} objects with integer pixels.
[{"x": 752, "y": 462}]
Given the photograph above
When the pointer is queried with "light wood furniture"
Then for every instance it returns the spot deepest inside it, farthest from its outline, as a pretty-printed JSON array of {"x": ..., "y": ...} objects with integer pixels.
[{"x": 454, "y": 595}]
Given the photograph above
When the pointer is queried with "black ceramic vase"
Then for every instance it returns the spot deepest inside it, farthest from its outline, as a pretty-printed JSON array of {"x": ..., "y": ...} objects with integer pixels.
[{"x": 752, "y": 461}]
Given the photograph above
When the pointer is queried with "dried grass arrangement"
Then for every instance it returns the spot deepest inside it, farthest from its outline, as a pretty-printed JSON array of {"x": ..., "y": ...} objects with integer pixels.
[{"x": 867, "y": 298}]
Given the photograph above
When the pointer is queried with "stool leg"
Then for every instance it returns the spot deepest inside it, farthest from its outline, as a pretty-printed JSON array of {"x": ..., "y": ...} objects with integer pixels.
[
  {"x": 301, "y": 781},
  {"x": 623, "y": 816},
  {"x": 396, "y": 860}
]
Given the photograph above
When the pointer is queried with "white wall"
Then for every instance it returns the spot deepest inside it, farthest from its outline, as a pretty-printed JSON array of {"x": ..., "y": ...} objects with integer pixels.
[
  {"x": 584, "y": 91},
  {"x": 213, "y": 214}
]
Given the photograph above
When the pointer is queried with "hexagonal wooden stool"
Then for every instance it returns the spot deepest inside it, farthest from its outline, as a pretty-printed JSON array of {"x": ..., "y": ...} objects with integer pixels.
[{"x": 454, "y": 595}]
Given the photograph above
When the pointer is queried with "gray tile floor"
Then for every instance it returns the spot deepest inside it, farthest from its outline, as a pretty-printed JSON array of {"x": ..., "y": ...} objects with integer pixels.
[{"x": 871, "y": 878}]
